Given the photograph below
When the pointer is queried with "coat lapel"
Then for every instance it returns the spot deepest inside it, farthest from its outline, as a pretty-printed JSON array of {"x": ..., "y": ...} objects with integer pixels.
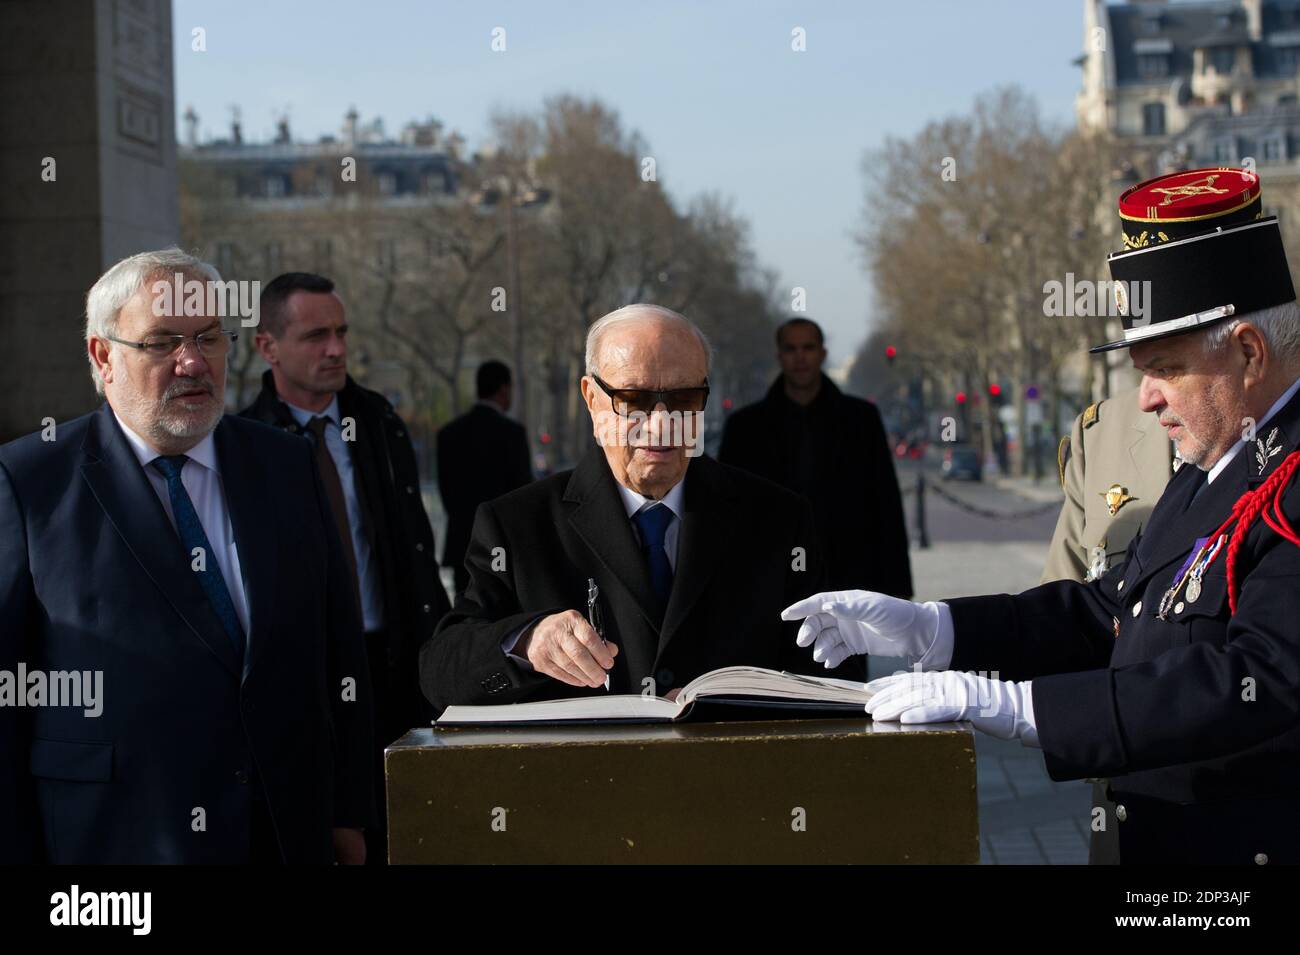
[
  {"x": 119, "y": 484},
  {"x": 601, "y": 521},
  {"x": 706, "y": 529},
  {"x": 250, "y": 491}
]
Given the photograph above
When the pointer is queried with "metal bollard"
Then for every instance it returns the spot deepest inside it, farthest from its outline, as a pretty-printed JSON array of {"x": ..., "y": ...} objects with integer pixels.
[{"x": 922, "y": 535}]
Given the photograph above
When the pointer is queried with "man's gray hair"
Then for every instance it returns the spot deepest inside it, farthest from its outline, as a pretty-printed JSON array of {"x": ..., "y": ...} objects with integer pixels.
[
  {"x": 1279, "y": 326},
  {"x": 116, "y": 286},
  {"x": 632, "y": 313}
]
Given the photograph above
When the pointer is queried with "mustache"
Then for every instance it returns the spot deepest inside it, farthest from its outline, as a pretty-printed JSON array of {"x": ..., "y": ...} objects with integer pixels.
[{"x": 182, "y": 385}]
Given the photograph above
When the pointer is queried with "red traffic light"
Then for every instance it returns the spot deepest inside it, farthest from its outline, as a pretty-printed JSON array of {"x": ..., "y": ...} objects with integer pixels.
[
  {"x": 961, "y": 397},
  {"x": 546, "y": 437},
  {"x": 995, "y": 389},
  {"x": 891, "y": 352}
]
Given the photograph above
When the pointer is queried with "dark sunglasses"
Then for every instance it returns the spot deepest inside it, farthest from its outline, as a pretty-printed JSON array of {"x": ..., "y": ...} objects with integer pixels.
[{"x": 637, "y": 399}]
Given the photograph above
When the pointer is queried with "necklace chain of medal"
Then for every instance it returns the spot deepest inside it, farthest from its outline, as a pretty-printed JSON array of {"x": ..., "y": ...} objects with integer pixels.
[{"x": 1191, "y": 575}]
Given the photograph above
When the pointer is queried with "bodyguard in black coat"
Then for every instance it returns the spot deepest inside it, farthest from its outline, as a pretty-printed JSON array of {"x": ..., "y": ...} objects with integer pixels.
[
  {"x": 831, "y": 448},
  {"x": 742, "y": 546},
  {"x": 481, "y": 455},
  {"x": 413, "y": 595}
]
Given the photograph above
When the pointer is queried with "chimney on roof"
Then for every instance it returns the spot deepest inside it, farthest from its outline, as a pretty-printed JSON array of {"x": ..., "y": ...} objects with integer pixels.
[
  {"x": 282, "y": 136},
  {"x": 1254, "y": 19},
  {"x": 236, "y": 132},
  {"x": 191, "y": 127},
  {"x": 350, "y": 126}
]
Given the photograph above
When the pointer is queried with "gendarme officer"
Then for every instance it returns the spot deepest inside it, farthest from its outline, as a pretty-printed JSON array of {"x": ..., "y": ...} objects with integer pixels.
[{"x": 1176, "y": 675}]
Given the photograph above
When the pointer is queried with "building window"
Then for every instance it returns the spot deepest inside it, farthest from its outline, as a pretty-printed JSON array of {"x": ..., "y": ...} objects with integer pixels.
[
  {"x": 1225, "y": 151},
  {"x": 1273, "y": 149},
  {"x": 1285, "y": 58},
  {"x": 1286, "y": 99},
  {"x": 1153, "y": 119},
  {"x": 277, "y": 187},
  {"x": 387, "y": 183},
  {"x": 1152, "y": 66},
  {"x": 1222, "y": 58}
]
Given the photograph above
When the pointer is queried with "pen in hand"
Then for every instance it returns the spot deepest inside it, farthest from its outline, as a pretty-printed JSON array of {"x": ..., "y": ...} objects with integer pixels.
[{"x": 593, "y": 616}]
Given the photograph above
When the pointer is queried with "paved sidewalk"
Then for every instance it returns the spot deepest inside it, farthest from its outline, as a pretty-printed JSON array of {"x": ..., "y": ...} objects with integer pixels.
[{"x": 1025, "y": 817}]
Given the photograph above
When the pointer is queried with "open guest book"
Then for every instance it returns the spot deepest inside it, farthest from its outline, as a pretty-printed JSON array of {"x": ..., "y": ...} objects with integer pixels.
[{"x": 734, "y": 686}]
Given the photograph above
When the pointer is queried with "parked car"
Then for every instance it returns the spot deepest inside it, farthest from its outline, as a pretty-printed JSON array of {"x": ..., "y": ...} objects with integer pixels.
[{"x": 961, "y": 462}]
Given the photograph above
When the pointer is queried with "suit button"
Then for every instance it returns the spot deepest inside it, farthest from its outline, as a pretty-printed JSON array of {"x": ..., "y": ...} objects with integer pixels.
[
  {"x": 241, "y": 777},
  {"x": 1121, "y": 813},
  {"x": 1261, "y": 859},
  {"x": 1137, "y": 608},
  {"x": 665, "y": 678},
  {"x": 420, "y": 548},
  {"x": 410, "y": 489},
  {"x": 427, "y": 609},
  {"x": 1120, "y": 587}
]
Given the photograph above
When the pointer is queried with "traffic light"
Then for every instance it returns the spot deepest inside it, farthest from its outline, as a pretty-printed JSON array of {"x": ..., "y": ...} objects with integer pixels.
[
  {"x": 961, "y": 397},
  {"x": 890, "y": 353}
]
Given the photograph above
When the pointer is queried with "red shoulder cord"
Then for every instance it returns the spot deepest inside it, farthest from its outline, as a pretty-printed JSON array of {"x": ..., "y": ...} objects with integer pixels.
[{"x": 1251, "y": 505}]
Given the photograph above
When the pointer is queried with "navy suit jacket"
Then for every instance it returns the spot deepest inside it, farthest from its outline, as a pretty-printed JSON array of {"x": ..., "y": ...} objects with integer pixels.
[{"x": 94, "y": 577}]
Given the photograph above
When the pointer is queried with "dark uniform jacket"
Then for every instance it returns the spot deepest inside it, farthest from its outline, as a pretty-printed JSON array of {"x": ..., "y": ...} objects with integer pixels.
[
  {"x": 736, "y": 570},
  {"x": 836, "y": 454},
  {"x": 1196, "y": 718},
  {"x": 400, "y": 534},
  {"x": 94, "y": 577},
  {"x": 481, "y": 455}
]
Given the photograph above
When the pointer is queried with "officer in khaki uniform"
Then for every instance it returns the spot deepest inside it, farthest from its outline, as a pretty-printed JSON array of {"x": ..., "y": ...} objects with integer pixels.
[{"x": 1114, "y": 466}]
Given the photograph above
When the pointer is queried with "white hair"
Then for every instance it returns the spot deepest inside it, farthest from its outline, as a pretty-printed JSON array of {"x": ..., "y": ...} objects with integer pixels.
[
  {"x": 115, "y": 287},
  {"x": 634, "y": 313},
  {"x": 1279, "y": 326}
]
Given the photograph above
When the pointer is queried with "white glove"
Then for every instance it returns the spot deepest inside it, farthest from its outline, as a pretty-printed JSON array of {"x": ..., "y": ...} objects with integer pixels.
[
  {"x": 842, "y": 623},
  {"x": 1001, "y": 708}
]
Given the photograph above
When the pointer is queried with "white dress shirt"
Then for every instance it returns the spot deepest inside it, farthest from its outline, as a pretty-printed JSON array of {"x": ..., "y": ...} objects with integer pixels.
[
  {"x": 633, "y": 503},
  {"x": 372, "y": 599},
  {"x": 201, "y": 478}
]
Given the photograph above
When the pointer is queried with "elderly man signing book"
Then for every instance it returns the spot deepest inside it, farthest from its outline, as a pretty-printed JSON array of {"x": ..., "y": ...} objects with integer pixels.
[{"x": 690, "y": 561}]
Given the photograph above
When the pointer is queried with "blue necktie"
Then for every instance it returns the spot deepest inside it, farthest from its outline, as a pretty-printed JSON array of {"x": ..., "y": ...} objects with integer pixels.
[
  {"x": 653, "y": 523},
  {"x": 192, "y": 536}
]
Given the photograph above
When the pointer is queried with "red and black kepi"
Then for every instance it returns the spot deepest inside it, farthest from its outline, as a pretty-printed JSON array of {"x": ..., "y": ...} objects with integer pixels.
[{"x": 1200, "y": 250}]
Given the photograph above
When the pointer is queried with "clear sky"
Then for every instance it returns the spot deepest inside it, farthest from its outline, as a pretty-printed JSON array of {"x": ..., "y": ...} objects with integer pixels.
[{"x": 714, "y": 87}]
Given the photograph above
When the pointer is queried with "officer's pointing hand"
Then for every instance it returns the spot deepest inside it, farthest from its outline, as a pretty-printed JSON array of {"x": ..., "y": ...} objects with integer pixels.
[{"x": 841, "y": 623}]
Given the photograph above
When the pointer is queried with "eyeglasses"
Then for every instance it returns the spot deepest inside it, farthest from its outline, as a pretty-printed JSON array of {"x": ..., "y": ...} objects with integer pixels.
[
  {"x": 211, "y": 344},
  {"x": 638, "y": 399}
]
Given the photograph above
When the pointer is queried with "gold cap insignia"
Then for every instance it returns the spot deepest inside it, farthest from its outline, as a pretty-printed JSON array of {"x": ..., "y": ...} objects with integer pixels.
[
  {"x": 1121, "y": 297},
  {"x": 1116, "y": 497}
]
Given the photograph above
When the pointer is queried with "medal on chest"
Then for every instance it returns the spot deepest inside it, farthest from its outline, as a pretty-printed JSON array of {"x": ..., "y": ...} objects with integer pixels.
[{"x": 1204, "y": 551}]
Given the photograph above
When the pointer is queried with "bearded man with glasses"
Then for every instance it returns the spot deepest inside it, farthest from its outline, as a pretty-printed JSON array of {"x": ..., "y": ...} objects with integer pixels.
[
  {"x": 168, "y": 550},
  {"x": 678, "y": 559}
]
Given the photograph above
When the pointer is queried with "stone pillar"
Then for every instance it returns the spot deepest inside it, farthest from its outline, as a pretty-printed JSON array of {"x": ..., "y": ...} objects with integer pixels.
[{"x": 88, "y": 159}]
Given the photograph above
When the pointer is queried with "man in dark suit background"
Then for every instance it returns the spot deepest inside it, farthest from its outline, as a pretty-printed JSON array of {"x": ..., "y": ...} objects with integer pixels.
[
  {"x": 830, "y": 447},
  {"x": 692, "y": 559},
  {"x": 481, "y": 455},
  {"x": 367, "y": 465},
  {"x": 189, "y": 559}
]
